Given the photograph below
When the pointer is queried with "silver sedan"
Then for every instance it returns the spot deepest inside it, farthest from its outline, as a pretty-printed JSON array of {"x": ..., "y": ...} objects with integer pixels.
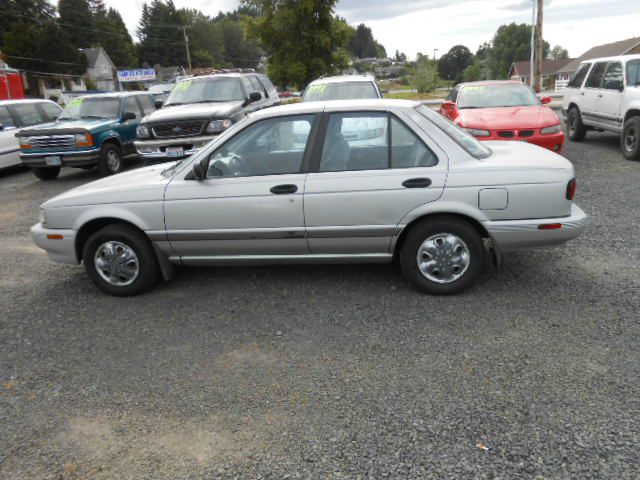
[{"x": 348, "y": 181}]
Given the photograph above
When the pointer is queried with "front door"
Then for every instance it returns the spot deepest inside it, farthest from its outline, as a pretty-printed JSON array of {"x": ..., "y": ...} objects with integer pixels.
[
  {"x": 9, "y": 147},
  {"x": 611, "y": 96},
  {"x": 250, "y": 204},
  {"x": 372, "y": 171},
  {"x": 127, "y": 129},
  {"x": 592, "y": 93}
]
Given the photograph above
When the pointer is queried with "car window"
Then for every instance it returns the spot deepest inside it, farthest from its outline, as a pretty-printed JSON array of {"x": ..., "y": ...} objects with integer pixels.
[
  {"x": 51, "y": 109},
  {"x": 5, "y": 117},
  {"x": 494, "y": 96},
  {"x": 257, "y": 85},
  {"x": 578, "y": 77},
  {"x": 268, "y": 86},
  {"x": 595, "y": 77},
  {"x": 340, "y": 91},
  {"x": 453, "y": 94},
  {"x": 250, "y": 86},
  {"x": 147, "y": 104},
  {"x": 613, "y": 76},
  {"x": 269, "y": 147},
  {"x": 28, "y": 114},
  {"x": 91, "y": 107},
  {"x": 633, "y": 73},
  {"x": 131, "y": 105},
  {"x": 204, "y": 90},
  {"x": 407, "y": 150},
  {"x": 356, "y": 141}
]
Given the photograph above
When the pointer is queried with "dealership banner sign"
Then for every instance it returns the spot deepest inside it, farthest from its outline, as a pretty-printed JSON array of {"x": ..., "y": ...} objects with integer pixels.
[{"x": 141, "y": 75}]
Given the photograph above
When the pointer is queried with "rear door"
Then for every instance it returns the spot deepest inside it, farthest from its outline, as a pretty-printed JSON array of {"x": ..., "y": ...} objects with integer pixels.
[
  {"x": 610, "y": 101},
  {"x": 372, "y": 168}
]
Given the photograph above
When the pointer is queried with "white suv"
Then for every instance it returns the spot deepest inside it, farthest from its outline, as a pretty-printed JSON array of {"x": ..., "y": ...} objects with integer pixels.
[
  {"x": 342, "y": 87},
  {"x": 604, "y": 94}
]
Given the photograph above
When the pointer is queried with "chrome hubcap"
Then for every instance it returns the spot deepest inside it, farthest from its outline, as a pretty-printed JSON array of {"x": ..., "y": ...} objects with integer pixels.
[
  {"x": 113, "y": 160},
  {"x": 630, "y": 139},
  {"x": 443, "y": 258},
  {"x": 116, "y": 263}
]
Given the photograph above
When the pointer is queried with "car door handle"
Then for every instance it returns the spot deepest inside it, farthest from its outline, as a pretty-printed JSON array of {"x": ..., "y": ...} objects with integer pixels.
[
  {"x": 284, "y": 189},
  {"x": 417, "y": 183},
  {"x": 581, "y": 93},
  {"x": 600, "y": 96}
]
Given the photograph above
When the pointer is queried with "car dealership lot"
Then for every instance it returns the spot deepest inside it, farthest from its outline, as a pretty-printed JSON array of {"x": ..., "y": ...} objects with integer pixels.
[{"x": 329, "y": 371}]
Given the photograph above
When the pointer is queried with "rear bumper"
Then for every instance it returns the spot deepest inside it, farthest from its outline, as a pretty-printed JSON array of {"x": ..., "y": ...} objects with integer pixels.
[
  {"x": 511, "y": 235},
  {"x": 157, "y": 149},
  {"x": 61, "y": 248},
  {"x": 69, "y": 159}
]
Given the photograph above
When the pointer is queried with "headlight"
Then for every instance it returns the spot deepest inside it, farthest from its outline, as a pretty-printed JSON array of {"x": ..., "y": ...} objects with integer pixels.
[
  {"x": 478, "y": 133},
  {"x": 24, "y": 142},
  {"x": 143, "y": 131},
  {"x": 550, "y": 130},
  {"x": 83, "y": 140},
  {"x": 218, "y": 126},
  {"x": 43, "y": 216}
]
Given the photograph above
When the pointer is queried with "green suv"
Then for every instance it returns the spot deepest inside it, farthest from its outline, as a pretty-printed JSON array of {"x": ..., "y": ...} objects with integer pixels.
[{"x": 94, "y": 130}]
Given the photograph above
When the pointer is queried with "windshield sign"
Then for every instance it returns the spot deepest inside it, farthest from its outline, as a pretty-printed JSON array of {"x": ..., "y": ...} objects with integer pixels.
[
  {"x": 206, "y": 90},
  {"x": 83, "y": 107},
  {"x": 339, "y": 91},
  {"x": 494, "y": 96}
]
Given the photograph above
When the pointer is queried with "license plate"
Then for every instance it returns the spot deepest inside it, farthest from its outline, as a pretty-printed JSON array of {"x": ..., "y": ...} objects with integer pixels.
[
  {"x": 53, "y": 161},
  {"x": 173, "y": 152}
]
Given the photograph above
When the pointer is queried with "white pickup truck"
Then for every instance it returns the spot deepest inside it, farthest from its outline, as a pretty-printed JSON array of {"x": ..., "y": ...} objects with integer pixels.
[{"x": 604, "y": 95}]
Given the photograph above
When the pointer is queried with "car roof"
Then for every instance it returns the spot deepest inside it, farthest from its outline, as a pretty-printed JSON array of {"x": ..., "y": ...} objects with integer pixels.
[
  {"x": 342, "y": 79},
  {"x": 609, "y": 59},
  {"x": 220, "y": 75},
  {"x": 114, "y": 94},
  {"x": 489, "y": 83},
  {"x": 24, "y": 100},
  {"x": 334, "y": 105}
]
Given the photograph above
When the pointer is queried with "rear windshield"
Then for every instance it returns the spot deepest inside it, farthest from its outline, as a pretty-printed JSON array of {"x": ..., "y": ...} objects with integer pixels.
[
  {"x": 472, "y": 146},
  {"x": 340, "y": 91}
]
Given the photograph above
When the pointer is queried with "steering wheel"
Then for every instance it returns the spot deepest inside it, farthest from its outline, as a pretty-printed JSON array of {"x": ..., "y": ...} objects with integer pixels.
[{"x": 238, "y": 165}]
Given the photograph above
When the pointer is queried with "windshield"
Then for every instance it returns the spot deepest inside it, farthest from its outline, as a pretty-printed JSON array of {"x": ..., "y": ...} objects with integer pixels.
[
  {"x": 206, "y": 90},
  {"x": 88, "y": 107},
  {"x": 491, "y": 96},
  {"x": 340, "y": 91},
  {"x": 633, "y": 73},
  {"x": 472, "y": 146}
]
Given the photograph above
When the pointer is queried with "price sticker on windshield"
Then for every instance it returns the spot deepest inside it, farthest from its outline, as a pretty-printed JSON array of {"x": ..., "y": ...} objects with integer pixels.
[
  {"x": 183, "y": 85},
  {"x": 317, "y": 88},
  {"x": 76, "y": 102}
]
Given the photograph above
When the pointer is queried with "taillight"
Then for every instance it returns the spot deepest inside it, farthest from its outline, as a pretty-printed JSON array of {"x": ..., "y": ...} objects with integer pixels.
[{"x": 571, "y": 189}]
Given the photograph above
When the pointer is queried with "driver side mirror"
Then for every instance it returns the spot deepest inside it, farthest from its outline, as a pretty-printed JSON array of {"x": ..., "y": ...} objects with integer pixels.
[
  {"x": 545, "y": 100},
  {"x": 128, "y": 116},
  {"x": 255, "y": 97},
  {"x": 199, "y": 169},
  {"x": 1, "y": 127},
  {"x": 159, "y": 103}
]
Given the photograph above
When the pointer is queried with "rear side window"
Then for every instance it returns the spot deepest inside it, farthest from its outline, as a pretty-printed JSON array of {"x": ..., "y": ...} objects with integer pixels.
[
  {"x": 596, "y": 75},
  {"x": 28, "y": 114},
  {"x": 5, "y": 118},
  {"x": 407, "y": 150},
  {"x": 633, "y": 73},
  {"x": 578, "y": 78}
]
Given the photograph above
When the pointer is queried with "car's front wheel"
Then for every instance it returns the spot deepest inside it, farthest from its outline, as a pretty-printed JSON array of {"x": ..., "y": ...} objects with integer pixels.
[
  {"x": 46, "y": 173},
  {"x": 110, "y": 161},
  {"x": 442, "y": 256},
  {"x": 120, "y": 260},
  {"x": 576, "y": 130},
  {"x": 630, "y": 140}
]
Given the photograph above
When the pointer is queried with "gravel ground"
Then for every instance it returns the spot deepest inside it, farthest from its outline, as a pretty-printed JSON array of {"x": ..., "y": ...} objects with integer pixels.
[{"x": 329, "y": 372}]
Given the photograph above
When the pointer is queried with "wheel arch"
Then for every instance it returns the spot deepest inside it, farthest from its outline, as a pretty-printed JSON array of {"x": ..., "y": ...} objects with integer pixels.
[
  {"x": 92, "y": 226},
  {"x": 632, "y": 112},
  {"x": 114, "y": 140}
]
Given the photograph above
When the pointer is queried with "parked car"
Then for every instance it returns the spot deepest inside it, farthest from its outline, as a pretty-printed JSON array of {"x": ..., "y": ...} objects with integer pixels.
[
  {"x": 343, "y": 87},
  {"x": 17, "y": 114},
  {"x": 96, "y": 130},
  {"x": 258, "y": 194},
  {"x": 198, "y": 110},
  {"x": 604, "y": 95},
  {"x": 504, "y": 110}
]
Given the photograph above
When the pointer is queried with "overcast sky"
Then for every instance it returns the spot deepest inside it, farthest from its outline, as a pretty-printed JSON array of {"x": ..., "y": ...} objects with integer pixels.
[{"x": 413, "y": 26}]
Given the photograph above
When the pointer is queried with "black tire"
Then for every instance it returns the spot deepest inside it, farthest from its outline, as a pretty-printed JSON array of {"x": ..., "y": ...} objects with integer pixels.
[
  {"x": 132, "y": 238},
  {"x": 630, "y": 139},
  {"x": 431, "y": 229},
  {"x": 576, "y": 130},
  {"x": 46, "y": 173},
  {"x": 110, "y": 161}
]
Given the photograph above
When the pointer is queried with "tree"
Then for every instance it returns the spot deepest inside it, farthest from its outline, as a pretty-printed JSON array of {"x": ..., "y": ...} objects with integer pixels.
[
  {"x": 511, "y": 43},
  {"x": 426, "y": 79},
  {"x": 452, "y": 64},
  {"x": 558, "y": 53},
  {"x": 475, "y": 71},
  {"x": 31, "y": 12},
  {"x": 363, "y": 45},
  {"x": 160, "y": 34},
  {"x": 205, "y": 39},
  {"x": 77, "y": 20},
  {"x": 302, "y": 38},
  {"x": 400, "y": 57}
]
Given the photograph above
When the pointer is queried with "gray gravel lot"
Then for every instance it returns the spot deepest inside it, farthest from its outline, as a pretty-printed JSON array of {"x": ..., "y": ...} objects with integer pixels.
[{"x": 329, "y": 372}]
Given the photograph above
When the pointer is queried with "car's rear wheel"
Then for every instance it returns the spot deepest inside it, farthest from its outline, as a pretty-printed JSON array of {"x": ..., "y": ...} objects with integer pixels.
[
  {"x": 120, "y": 261},
  {"x": 46, "y": 173},
  {"x": 576, "y": 130},
  {"x": 630, "y": 140},
  {"x": 442, "y": 256},
  {"x": 110, "y": 161}
]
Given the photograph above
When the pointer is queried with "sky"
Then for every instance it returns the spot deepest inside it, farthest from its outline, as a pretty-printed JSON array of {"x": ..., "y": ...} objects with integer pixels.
[{"x": 412, "y": 26}]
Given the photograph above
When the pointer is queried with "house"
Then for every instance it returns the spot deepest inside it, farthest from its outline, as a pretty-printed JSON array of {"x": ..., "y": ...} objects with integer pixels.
[
  {"x": 100, "y": 68},
  {"x": 622, "y": 47},
  {"x": 522, "y": 71}
]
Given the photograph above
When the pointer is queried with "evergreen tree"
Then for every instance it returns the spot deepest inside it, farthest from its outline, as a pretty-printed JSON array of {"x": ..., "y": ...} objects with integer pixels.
[{"x": 77, "y": 21}]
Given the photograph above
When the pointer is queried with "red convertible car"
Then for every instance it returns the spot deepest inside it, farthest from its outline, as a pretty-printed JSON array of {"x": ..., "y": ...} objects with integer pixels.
[{"x": 504, "y": 110}]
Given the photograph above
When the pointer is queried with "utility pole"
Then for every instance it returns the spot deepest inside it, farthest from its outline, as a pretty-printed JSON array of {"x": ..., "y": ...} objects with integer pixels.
[
  {"x": 533, "y": 41},
  {"x": 539, "y": 48},
  {"x": 435, "y": 50},
  {"x": 186, "y": 44}
]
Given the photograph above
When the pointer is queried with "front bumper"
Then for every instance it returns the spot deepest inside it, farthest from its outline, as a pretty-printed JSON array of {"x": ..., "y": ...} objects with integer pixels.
[
  {"x": 76, "y": 158},
  {"x": 157, "y": 149},
  {"x": 553, "y": 142},
  {"x": 511, "y": 235},
  {"x": 60, "y": 244}
]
